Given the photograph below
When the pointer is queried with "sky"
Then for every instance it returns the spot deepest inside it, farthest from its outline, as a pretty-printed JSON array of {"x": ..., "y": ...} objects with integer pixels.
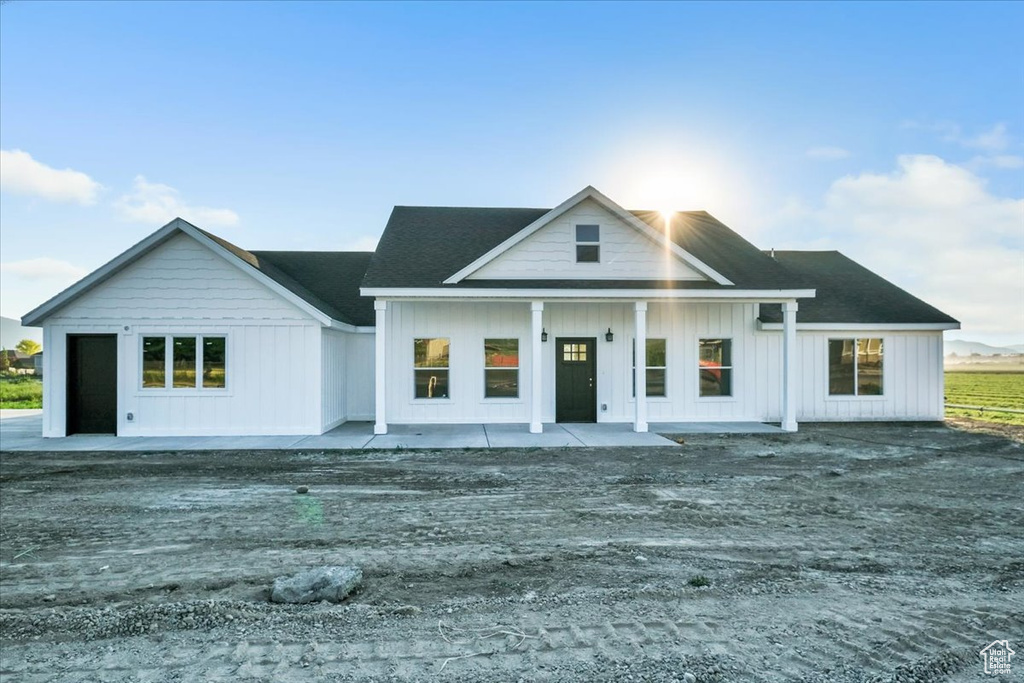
[{"x": 891, "y": 132}]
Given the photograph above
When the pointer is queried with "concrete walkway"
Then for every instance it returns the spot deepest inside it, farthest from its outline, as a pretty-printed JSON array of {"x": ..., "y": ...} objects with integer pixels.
[{"x": 20, "y": 431}]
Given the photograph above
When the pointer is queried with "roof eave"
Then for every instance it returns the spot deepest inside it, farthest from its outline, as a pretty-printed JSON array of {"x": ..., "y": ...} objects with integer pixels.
[
  {"x": 731, "y": 294},
  {"x": 862, "y": 326}
]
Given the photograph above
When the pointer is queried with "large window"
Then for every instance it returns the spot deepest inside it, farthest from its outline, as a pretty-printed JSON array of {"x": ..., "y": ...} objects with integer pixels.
[
  {"x": 715, "y": 367},
  {"x": 430, "y": 360},
  {"x": 214, "y": 362},
  {"x": 656, "y": 366},
  {"x": 154, "y": 362},
  {"x": 501, "y": 368},
  {"x": 855, "y": 367},
  {"x": 588, "y": 243},
  {"x": 184, "y": 362}
]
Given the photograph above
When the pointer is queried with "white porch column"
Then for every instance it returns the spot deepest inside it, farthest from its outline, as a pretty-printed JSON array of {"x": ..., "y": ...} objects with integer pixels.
[
  {"x": 380, "y": 425},
  {"x": 789, "y": 366},
  {"x": 536, "y": 362},
  {"x": 640, "y": 316}
]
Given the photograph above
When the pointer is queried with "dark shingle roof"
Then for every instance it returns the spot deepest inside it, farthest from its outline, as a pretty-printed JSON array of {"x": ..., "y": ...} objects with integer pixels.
[
  {"x": 422, "y": 246},
  {"x": 327, "y": 280},
  {"x": 847, "y": 292},
  {"x": 331, "y": 277}
]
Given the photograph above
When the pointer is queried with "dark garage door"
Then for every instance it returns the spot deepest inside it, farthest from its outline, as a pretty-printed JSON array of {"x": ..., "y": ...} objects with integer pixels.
[{"x": 92, "y": 384}]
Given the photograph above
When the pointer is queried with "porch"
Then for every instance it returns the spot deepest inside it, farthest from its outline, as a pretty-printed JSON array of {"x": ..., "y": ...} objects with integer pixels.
[{"x": 21, "y": 431}]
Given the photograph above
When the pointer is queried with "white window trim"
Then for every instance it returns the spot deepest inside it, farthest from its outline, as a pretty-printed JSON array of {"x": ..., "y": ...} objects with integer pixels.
[
  {"x": 650, "y": 399},
  {"x": 829, "y": 396},
  {"x": 732, "y": 374},
  {"x": 518, "y": 398},
  {"x": 168, "y": 388},
  {"x": 578, "y": 243},
  {"x": 447, "y": 368}
]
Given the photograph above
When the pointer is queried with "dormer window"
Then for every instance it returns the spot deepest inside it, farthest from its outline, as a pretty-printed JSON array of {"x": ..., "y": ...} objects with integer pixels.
[{"x": 588, "y": 244}]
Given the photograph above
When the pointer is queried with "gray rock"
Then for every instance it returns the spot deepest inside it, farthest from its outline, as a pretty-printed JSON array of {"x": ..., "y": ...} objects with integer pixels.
[
  {"x": 302, "y": 489},
  {"x": 332, "y": 584},
  {"x": 689, "y": 677}
]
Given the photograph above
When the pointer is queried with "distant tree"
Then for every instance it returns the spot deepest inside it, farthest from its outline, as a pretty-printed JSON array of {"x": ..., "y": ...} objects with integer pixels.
[
  {"x": 28, "y": 347},
  {"x": 5, "y": 361}
]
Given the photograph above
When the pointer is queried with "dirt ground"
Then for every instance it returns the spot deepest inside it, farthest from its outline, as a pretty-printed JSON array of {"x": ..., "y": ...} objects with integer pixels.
[{"x": 842, "y": 553}]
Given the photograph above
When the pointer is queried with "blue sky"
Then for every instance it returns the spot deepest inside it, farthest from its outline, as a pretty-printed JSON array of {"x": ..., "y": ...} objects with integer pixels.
[{"x": 892, "y": 132}]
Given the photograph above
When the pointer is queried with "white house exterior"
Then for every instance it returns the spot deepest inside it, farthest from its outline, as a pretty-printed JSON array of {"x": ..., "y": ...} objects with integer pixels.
[{"x": 525, "y": 316}]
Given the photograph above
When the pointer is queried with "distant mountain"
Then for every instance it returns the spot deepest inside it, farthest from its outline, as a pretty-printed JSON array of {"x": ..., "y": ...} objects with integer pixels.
[
  {"x": 966, "y": 348},
  {"x": 11, "y": 332}
]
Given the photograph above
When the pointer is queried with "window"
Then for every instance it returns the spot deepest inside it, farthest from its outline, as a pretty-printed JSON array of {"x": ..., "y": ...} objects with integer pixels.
[
  {"x": 855, "y": 367},
  {"x": 501, "y": 368},
  {"x": 214, "y": 367},
  {"x": 154, "y": 363},
  {"x": 655, "y": 370},
  {"x": 180, "y": 369},
  {"x": 588, "y": 248},
  {"x": 715, "y": 366},
  {"x": 184, "y": 362},
  {"x": 430, "y": 359},
  {"x": 574, "y": 352}
]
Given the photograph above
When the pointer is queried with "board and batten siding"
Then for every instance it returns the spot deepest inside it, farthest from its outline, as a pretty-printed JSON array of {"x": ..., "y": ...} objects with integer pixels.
[
  {"x": 467, "y": 324},
  {"x": 274, "y": 356},
  {"x": 348, "y": 384},
  {"x": 912, "y": 364},
  {"x": 550, "y": 253},
  {"x": 912, "y": 378},
  {"x": 359, "y": 386}
]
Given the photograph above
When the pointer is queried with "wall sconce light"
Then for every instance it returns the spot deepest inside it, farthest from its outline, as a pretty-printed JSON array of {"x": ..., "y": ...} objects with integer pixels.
[
  {"x": 608, "y": 336},
  {"x": 543, "y": 334}
]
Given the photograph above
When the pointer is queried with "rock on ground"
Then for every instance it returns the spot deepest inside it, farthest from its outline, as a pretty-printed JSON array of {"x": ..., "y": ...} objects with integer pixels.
[{"x": 324, "y": 583}]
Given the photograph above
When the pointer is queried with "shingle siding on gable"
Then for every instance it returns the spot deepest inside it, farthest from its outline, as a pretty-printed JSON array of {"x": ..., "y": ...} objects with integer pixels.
[
  {"x": 180, "y": 279},
  {"x": 551, "y": 253}
]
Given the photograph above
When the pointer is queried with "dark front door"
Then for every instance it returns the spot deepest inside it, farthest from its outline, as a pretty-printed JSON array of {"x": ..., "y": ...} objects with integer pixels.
[
  {"x": 92, "y": 384},
  {"x": 575, "y": 380}
]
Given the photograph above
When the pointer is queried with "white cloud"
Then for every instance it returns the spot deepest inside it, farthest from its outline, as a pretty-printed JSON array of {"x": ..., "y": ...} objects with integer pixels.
[
  {"x": 21, "y": 174},
  {"x": 155, "y": 203},
  {"x": 933, "y": 228},
  {"x": 999, "y": 161},
  {"x": 44, "y": 268},
  {"x": 28, "y": 283},
  {"x": 992, "y": 140},
  {"x": 828, "y": 153}
]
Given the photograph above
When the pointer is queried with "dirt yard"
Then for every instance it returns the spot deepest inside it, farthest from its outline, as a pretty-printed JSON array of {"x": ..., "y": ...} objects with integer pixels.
[{"x": 843, "y": 553}]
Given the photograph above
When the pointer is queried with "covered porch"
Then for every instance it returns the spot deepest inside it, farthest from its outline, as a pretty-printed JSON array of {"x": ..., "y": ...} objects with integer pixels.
[
  {"x": 22, "y": 431},
  {"x": 601, "y": 328}
]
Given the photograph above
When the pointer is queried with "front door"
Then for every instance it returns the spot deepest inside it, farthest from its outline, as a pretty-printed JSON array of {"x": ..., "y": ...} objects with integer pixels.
[
  {"x": 92, "y": 384},
  {"x": 575, "y": 380}
]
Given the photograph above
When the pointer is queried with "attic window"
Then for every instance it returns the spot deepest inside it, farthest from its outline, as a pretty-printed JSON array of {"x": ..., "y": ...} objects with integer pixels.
[{"x": 588, "y": 247}]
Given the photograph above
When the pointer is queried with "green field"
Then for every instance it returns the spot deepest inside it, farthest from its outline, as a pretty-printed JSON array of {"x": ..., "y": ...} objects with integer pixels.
[
  {"x": 986, "y": 389},
  {"x": 21, "y": 391}
]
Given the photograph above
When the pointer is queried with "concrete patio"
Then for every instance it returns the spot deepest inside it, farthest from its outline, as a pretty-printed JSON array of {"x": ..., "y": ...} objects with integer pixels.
[{"x": 20, "y": 431}]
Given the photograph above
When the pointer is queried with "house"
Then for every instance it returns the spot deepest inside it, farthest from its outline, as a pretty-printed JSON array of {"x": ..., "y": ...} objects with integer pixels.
[
  {"x": 484, "y": 315},
  {"x": 18, "y": 362}
]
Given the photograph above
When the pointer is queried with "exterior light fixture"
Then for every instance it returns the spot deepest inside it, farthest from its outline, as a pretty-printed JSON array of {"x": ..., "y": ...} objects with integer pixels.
[
  {"x": 543, "y": 335},
  {"x": 608, "y": 336}
]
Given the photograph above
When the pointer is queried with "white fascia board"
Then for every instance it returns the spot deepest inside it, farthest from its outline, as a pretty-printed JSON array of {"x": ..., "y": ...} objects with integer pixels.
[
  {"x": 862, "y": 327},
  {"x": 746, "y": 295},
  {"x": 36, "y": 316},
  {"x": 589, "y": 192}
]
